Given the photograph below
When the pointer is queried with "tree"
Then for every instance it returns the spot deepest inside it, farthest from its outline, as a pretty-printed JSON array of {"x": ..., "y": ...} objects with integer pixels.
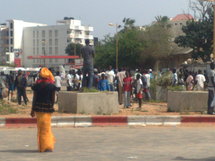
[
  {"x": 199, "y": 34},
  {"x": 73, "y": 49}
]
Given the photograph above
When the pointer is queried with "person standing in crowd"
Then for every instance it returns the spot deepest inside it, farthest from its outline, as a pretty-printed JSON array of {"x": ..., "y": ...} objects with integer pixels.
[
  {"x": 120, "y": 77},
  {"x": 103, "y": 84},
  {"x": 21, "y": 84},
  {"x": 190, "y": 82},
  {"x": 139, "y": 88},
  {"x": 95, "y": 79},
  {"x": 88, "y": 54},
  {"x": 200, "y": 80},
  {"x": 174, "y": 78},
  {"x": 69, "y": 81},
  {"x": 2, "y": 84},
  {"x": 58, "y": 82},
  {"x": 10, "y": 81},
  {"x": 42, "y": 107},
  {"x": 211, "y": 88},
  {"x": 146, "y": 84},
  {"x": 110, "y": 77},
  {"x": 127, "y": 87}
]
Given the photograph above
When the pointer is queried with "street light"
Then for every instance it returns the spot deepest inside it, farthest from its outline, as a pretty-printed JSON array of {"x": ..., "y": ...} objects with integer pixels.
[
  {"x": 117, "y": 41},
  {"x": 214, "y": 26},
  {"x": 44, "y": 52}
]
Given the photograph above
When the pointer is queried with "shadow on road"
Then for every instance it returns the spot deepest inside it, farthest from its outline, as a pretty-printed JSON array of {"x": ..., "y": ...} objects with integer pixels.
[
  {"x": 19, "y": 151},
  {"x": 190, "y": 159}
]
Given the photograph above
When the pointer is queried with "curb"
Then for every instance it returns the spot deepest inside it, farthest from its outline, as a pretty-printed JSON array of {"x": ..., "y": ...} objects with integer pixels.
[{"x": 97, "y": 121}]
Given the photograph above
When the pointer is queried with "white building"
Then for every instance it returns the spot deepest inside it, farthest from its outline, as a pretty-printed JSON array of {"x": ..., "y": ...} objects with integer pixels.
[{"x": 39, "y": 44}]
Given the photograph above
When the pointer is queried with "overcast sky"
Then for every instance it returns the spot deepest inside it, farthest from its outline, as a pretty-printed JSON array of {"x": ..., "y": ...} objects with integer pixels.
[{"x": 97, "y": 13}]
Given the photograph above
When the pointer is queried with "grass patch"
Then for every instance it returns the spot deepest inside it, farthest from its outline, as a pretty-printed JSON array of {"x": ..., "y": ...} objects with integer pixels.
[{"x": 6, "y": 108}]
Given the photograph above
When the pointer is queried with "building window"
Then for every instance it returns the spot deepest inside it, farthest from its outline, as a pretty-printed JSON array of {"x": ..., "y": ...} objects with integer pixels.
[
  {"x": 50, "y": 33},
  {"x": 11, "y": 25},
  {"x": 37, "y": 51},
  {"x": 56, "y": 42},
  {"x": 50, "y": 42},
  {"x": 37, "y": 42},
  {"x": 50, "y": 60},
  {"x": 33, "y": 42},
  {"x": 11, "y": 41},
  {"x": 65, "y": 61},
  {"x": 33, "y": 34},
  {"x": 50, "y": 50},
  {"x": 56, "y": 50},
  {"x": 37, "y": 34},
  {"x": 11, "y": 33},
  {"x": 33, "y": 60},
  {"x": 43, "y": 33},
  {"x": 34, "y": 51},
  {"x": 11, "y": 49},
  {"x": 56, "y": 33},
  {"x": 43, "y": 51},
  {"x": 43, "y": 42}
]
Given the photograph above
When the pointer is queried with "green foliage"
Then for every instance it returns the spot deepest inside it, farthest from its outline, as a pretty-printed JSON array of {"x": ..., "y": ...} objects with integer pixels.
[
  {"x": 199, "y": 35},
  {"x": 164, "y": 80},
  {"x": 88, "y": 90},
  {"x": 137, "y": 47},
  {"x": 6, "y": 109},
  {"x": 176, "y": 88},
  {"x": 73, "y": 49}
]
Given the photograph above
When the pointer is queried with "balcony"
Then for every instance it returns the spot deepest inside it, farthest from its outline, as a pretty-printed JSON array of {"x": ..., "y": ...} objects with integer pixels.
[{"x": 88, "y": 28}]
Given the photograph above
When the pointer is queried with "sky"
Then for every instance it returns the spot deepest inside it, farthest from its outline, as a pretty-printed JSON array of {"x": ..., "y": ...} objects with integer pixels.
[{"x": 96, "y": 13}]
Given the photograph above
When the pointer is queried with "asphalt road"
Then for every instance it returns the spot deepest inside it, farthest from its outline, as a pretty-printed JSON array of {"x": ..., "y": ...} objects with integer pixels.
[{"x": 112, "y": 144}]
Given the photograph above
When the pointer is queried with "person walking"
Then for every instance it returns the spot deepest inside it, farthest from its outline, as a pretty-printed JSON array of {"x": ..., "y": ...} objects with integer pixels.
[
  {"x": 88, "y": 54},
  {"x": 43, "y": 107},
  {"x": 21, "y": 84}
]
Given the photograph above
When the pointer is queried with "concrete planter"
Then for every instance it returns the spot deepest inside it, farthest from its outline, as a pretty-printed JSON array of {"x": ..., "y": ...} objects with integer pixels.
[
  {"x": 187, "y": 101},
  {"x": 88, "y": 103},
  {"x": 161, "y": 93}
]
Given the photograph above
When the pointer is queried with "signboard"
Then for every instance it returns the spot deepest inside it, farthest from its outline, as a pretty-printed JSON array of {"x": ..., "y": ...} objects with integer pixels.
[{"x": 17, "y": 59}]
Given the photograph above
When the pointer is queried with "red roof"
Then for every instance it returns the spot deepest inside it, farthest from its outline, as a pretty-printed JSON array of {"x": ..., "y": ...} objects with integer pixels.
[{"x": 183, "y": 17}]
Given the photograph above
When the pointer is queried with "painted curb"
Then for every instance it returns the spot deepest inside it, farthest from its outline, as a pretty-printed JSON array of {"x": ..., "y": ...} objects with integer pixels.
[
  {"x": 19, "y": 122},
  {"x": 91, "y": 121},
  {"x": 197, "y": 119},
  {"x": 2, "y": 122},
  {"x": 109, "y": 120}
]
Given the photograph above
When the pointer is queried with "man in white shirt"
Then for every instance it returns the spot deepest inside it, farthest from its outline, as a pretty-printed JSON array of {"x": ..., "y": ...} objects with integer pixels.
[
  {"x": 58, "y": 82},
  {"x": 200, "y": 79},
  {"x": 110, "y": 77},
  {"x": 69, "y": 78}
]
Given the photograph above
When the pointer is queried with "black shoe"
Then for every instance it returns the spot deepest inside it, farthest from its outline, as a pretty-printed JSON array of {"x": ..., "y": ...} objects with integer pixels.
[{"x": 48, "y": 150}]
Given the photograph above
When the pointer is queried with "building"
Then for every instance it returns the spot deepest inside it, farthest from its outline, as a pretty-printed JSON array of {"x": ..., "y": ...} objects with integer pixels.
[
  {"x": 36, "y": 45},
  {"x": 178, "y": 54}
]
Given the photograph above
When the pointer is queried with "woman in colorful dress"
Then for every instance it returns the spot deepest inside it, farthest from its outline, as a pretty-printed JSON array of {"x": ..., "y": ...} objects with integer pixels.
[{"x": 43, "y": 107}]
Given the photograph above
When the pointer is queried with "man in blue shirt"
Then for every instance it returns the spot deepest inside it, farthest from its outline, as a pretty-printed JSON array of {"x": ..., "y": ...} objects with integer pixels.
[{"x": 103, "y": 84}]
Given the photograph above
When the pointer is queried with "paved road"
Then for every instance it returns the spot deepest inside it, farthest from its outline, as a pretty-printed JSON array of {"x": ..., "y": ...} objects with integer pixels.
[{"x": 113, "y": 144}]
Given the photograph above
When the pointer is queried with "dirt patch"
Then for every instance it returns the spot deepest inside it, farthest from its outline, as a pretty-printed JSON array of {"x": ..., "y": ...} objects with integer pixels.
[{"x": 148, "y": 108}]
